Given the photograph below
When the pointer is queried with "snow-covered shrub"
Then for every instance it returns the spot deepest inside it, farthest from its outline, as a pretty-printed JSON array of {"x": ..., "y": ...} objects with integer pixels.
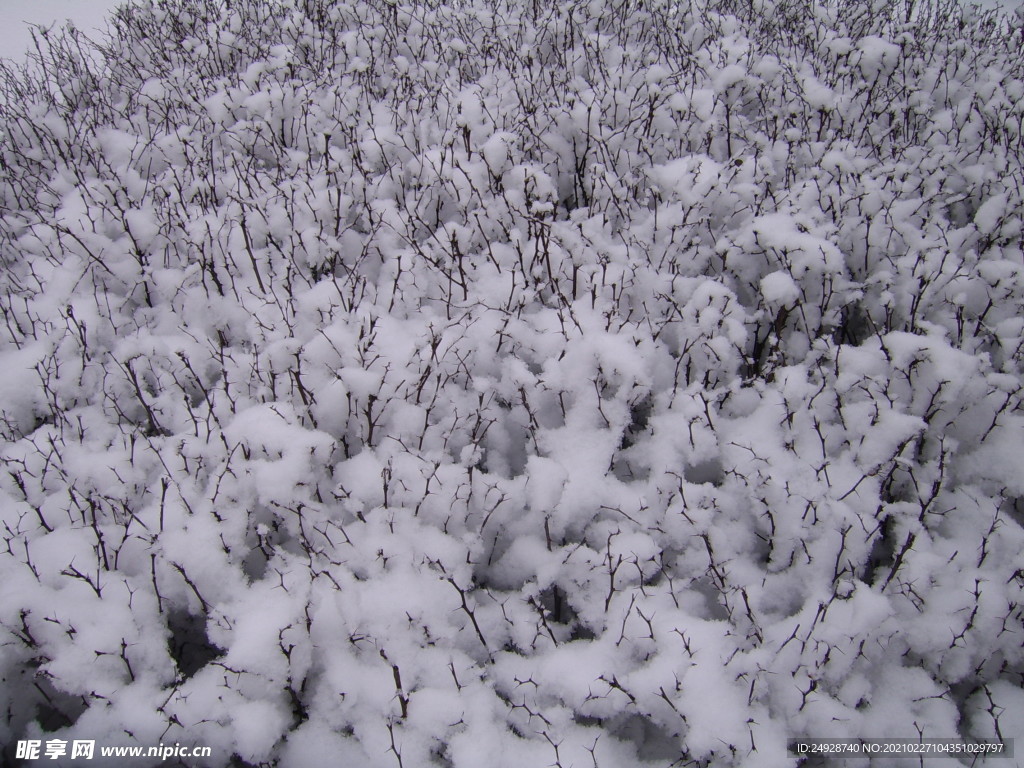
[{"x": 470, "y": 383}]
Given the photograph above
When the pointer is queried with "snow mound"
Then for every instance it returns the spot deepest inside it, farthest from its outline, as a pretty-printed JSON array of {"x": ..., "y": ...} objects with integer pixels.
[{"x": 451, "y": 384}]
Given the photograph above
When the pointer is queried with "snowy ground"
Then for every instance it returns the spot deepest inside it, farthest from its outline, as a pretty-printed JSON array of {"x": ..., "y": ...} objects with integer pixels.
[{"x": 491, "y": 384}]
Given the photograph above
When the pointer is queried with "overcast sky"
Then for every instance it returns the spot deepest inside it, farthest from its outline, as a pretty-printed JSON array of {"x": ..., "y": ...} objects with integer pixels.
[{"x": 14, "y": 32}]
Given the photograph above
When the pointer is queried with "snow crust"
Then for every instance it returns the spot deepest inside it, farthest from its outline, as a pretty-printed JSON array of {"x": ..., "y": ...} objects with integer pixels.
[{"x": 512, "y": 384}]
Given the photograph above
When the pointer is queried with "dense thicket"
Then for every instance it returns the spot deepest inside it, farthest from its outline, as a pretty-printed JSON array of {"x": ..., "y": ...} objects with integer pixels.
[{"x": 493, "y": 383}]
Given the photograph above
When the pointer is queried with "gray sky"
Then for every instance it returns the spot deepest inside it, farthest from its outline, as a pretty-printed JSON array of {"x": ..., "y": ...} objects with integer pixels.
[{"x": 14, "y": 33}]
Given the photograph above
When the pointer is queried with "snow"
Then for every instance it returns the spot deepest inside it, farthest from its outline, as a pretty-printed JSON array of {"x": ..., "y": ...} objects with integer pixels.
[
  {"x": 779, "y": 288},
  {"x": 433, "y": 389},
  {"x": 991, "y": 214}
]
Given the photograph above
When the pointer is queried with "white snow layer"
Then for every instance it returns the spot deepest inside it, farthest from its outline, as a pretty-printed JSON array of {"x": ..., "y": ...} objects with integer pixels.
[{"x": 460, "y": 384}]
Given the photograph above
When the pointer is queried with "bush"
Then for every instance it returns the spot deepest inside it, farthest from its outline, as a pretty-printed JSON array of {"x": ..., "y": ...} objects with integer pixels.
[{"x": 626, "y": 383}]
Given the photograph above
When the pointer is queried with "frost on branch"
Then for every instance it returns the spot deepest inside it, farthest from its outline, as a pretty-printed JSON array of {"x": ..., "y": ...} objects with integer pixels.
[{"x": 456, "y": 384}]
